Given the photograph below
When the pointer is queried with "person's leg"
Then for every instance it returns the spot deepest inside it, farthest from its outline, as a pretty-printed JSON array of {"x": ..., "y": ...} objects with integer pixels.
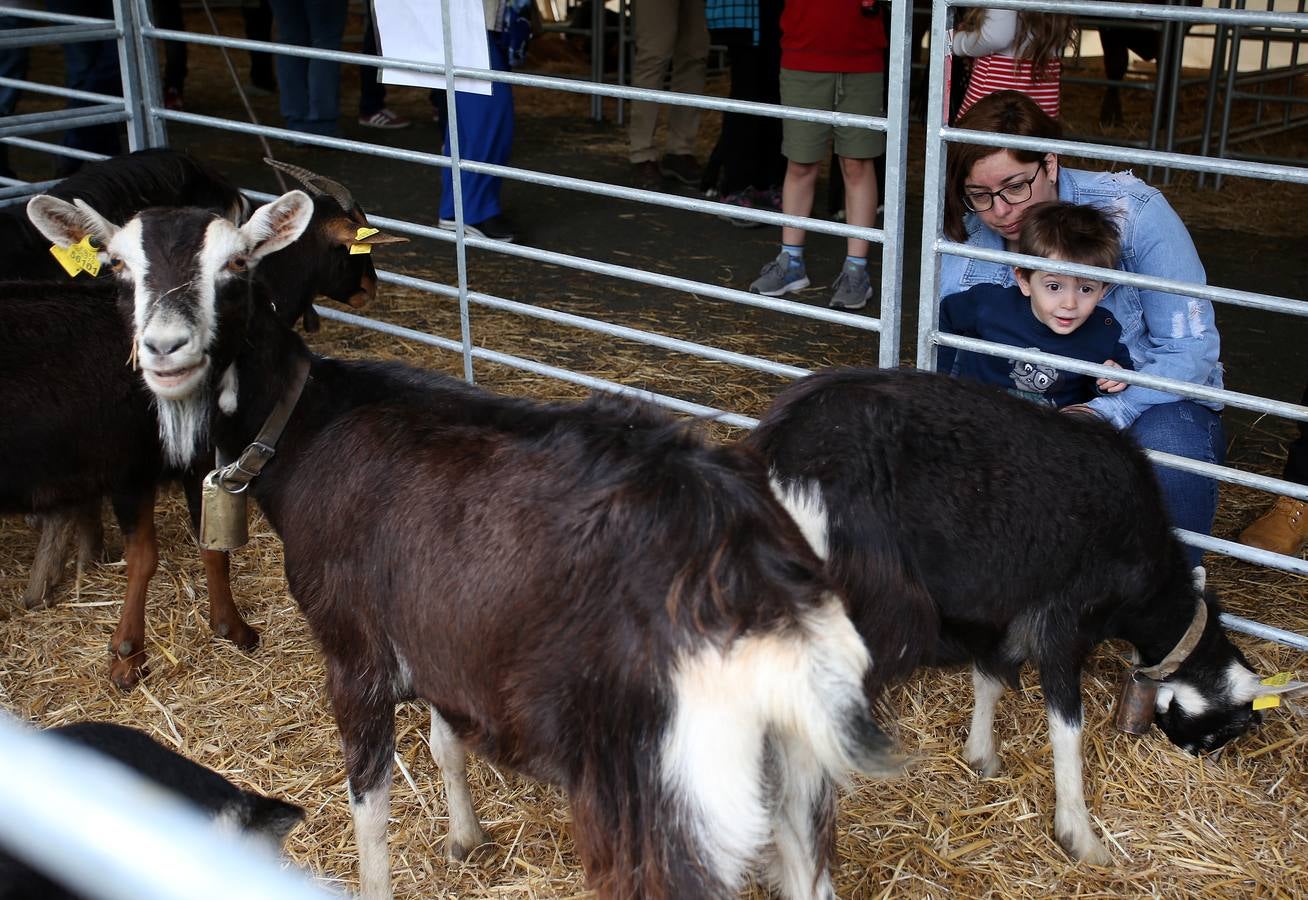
[
  {"x": 656, "y": 35},
  {"x": 1283, "y": 528},
  {"x": 13, "y": 64},
  {"x": 689, "y": 70},
  {"x": 257, "y": 17},
  {"x": 1184, "y": 428},
  {"x": 168, "y": 14},
  {"x": 292, "y": 20},
  {"x": 860, "y": 200},
  {"x": 485, "y": 135},
  {"x": 326, "y": 29},
  {"x": 372, "y": 93}
]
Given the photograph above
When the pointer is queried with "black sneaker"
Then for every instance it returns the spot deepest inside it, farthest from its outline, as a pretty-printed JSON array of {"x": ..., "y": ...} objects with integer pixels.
[
  {"x": 646, "y": 175},
  {"x": 682, "y": 166},
  {"x": 496, "y": 228}
]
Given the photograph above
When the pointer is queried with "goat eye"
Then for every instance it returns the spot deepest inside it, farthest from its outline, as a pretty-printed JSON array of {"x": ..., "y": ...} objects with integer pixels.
[
  {"x": 237, "y": 264},
  {"x": 116, "y": 263}
]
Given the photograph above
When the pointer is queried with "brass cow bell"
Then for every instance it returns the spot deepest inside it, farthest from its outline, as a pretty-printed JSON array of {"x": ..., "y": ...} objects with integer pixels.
[
  {"x": 1135, "y": 705},
  {"x": 224, "y": 516}
]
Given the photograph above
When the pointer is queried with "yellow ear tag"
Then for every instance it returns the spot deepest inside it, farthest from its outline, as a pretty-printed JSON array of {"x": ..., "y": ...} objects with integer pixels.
[
  {"x": 80, "y": 257},
  {"x": 356, "y": 249},
  {"x": 1271, "y": 701}
]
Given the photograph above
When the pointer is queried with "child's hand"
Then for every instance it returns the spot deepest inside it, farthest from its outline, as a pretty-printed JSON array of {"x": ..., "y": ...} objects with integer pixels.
[{"x": 1107, "y": 386}]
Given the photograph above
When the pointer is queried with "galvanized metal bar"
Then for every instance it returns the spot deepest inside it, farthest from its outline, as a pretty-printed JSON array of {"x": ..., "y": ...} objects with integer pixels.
[
  {"x": 1229, "y": 296},
  {"x": 933, "y": 186},
  {"x": 1170, "y": 385},
  {"x": 571, "y": 85},
  {"x": 1240, "y": 551},
  {"x": 598, "y": 188},
  {"x": 130, "y": 61},
  {"x": 1288, "y": 174},
  {"x": 1148, "y": 12},
  {"x": 108, "y": 832},
  {"x": 35, "y": 123},
  {"x": 627, "y": 273},
  {"x": 597, "y": 326},
  {"x": 42, "y": 15},
  {"x": 52, "y": 149},
  {"x": 456, "y": 180},
  {"x": 896, "y": 200},
  {"x": 40, "y": 87},
  {"x": 64, "y": 34},
  {"x": 1266, "y": 632},
  {"x": 548, "y": 371}
]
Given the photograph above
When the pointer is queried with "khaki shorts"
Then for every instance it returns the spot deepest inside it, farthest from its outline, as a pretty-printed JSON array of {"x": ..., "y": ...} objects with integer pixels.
[{"x": 857, "y": 93}]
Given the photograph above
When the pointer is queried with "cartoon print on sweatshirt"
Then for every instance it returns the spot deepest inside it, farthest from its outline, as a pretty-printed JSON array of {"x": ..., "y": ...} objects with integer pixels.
[{"x": 1032, "y": 380}]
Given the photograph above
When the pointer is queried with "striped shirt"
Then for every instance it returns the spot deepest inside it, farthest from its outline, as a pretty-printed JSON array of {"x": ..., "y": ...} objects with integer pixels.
[{"x": 1004, "y": 73}]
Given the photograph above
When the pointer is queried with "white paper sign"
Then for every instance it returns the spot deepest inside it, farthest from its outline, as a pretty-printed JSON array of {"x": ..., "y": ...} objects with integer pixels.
[{"x": 411, "y": 30}]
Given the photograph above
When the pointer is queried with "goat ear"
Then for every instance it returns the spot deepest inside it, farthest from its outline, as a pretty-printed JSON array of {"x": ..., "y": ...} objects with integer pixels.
[
  {"x": 67, "y": 223},
  {"x": 277, "y": 224},
  {"x": 345, "y": 233}
]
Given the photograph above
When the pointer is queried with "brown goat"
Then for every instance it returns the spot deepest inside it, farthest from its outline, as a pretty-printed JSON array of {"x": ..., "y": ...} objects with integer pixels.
[{"x": 591, "y": 594}]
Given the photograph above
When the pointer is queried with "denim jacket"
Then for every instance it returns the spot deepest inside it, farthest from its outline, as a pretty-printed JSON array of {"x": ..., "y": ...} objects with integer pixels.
[{"x": 1168, "y": 335}]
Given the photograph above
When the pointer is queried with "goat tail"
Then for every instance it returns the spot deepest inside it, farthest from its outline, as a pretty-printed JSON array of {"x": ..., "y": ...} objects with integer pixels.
[{"x": 760, "y": 729}]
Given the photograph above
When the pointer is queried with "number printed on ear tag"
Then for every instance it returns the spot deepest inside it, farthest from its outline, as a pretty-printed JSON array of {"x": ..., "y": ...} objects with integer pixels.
[{"x": 79, "y": 257}]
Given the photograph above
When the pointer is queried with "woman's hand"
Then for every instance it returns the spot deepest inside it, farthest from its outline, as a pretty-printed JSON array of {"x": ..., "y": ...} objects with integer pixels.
[{"x": 1107, "y": 386}]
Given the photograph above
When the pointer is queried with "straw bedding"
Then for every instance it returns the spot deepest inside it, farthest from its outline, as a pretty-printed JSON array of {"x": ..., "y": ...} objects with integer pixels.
[{"x": 1177, "y": 826}]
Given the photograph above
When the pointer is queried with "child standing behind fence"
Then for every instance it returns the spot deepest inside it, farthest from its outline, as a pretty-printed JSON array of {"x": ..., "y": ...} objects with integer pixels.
[
  {"x": 831, "y": 59},
  {"x": 1016, "y": 51}
]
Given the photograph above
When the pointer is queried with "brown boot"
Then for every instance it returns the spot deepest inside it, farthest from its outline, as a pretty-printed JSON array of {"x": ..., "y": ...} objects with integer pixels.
[{"x": 1282, "y": 529}]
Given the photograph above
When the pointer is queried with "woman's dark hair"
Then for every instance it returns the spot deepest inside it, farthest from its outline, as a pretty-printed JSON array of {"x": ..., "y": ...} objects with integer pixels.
[{"x": 1003, "y": 112}]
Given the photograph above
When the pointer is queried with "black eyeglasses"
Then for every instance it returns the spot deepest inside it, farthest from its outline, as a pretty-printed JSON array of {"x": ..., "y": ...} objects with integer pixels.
[{"x": 1013, "y": 194}]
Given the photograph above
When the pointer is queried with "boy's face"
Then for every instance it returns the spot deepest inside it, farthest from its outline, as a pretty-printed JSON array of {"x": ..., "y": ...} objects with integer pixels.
[{"x": 1061, "y": 302}]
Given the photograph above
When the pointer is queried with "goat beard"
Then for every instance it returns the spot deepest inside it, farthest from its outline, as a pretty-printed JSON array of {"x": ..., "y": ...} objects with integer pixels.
[{"x": 184, "y": 425}]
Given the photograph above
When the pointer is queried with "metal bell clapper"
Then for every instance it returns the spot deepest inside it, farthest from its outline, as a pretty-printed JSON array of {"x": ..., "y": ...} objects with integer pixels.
[
  {"x": 224, "y": 516},
  {"x": 1135, "y": 705}
]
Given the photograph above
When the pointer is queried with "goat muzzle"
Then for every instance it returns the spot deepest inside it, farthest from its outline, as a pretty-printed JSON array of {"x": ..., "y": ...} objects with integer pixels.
[{"x": 1136, "y": 703}]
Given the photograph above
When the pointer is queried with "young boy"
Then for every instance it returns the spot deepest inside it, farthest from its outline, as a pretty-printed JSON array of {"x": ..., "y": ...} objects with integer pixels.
[
  {"x": 1044, "y": 311},
  {"x": 831, "y": 59}
]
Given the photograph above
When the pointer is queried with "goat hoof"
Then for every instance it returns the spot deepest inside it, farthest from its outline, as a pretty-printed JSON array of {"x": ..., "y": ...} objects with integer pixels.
[
  {"x": 126, "y": 675},
  {"x": 33, "y": 600},
  {"x": 986, "y": 768},
  {"x": 458, "y": 850},
  {"x": 240, "y": 634},
  {"x": 1085, "y": 847}
]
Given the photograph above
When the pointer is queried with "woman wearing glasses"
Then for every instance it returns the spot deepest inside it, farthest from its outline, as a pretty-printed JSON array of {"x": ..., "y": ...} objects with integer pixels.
[{"x": 1170, "y": 335}]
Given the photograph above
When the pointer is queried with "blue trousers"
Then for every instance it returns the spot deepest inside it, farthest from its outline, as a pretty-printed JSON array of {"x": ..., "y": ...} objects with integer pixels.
[
  {"x": 91, "y": 66},
  {"x": 1185, "y": 428},
  {"x": 485, "y": 135},
  {"x": 310, "y": 89}
]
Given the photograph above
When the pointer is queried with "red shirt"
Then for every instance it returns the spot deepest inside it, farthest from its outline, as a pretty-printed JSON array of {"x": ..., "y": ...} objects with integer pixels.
[{"x": 831, "y": 36}]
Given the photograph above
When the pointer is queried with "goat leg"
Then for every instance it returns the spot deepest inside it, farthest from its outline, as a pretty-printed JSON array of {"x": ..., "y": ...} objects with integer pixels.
[
  {"x": 127, "y": 646},
  {"x": 224, "y": 618},
  {"x": 980, "y": 748},
  {"x": 365, "y": 717},
  {"x": 447, "y": 750},
  {"x": 1062, "y": 688},
  {"x": 803, "y": 825},
  {"x": 51, "y": 555}
]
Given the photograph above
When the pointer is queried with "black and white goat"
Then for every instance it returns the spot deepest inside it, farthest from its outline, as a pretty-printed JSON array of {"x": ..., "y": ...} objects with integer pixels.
[
  {"x": 967, "y": 525},
  {"x": 231, "y": 808},
  {"x": 589, "y": 594},
  {"x": 80, "y": 424}
]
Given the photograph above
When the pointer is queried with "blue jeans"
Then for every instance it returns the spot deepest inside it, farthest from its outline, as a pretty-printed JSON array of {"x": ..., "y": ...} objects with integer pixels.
[
  {"x": 91, "y": 66},
  {"x": 485, "y": 135},
  {"x": 310, "y": 88},
  {"x": 1184, "y": 428}
]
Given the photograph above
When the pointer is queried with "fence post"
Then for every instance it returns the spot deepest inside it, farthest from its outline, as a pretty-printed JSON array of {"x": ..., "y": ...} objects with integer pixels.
[{"x": 140, "y": 72}]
